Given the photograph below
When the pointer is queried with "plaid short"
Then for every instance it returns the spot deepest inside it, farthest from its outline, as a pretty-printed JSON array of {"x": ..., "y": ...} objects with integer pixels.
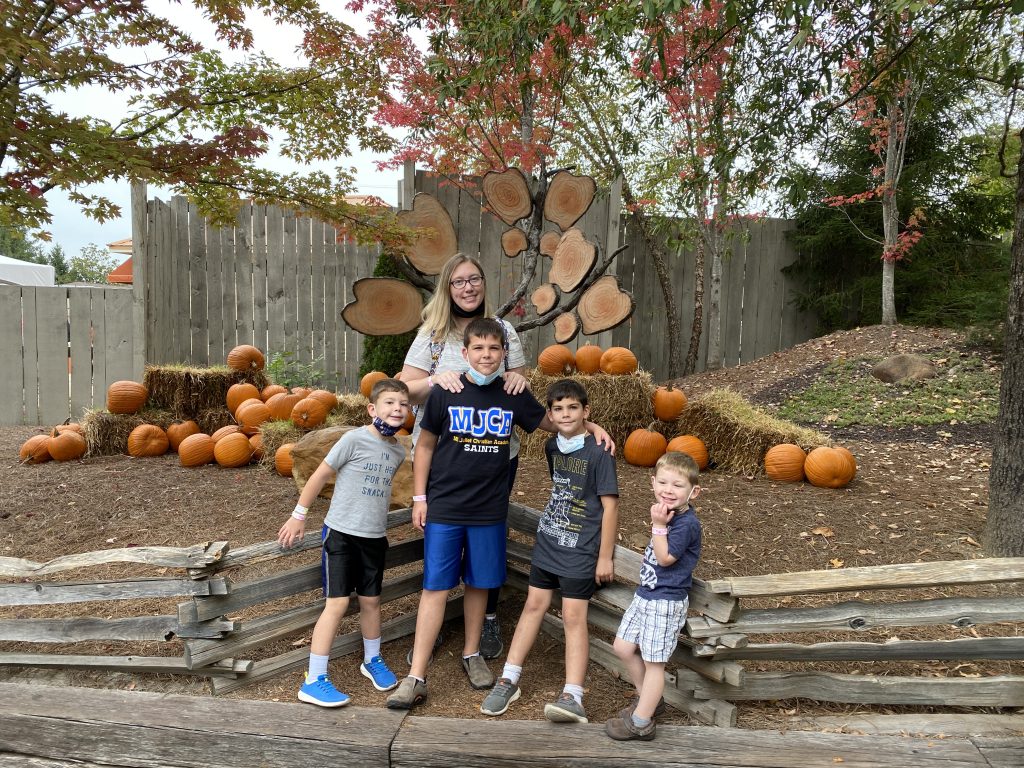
[{"x": 654, "y": 626}]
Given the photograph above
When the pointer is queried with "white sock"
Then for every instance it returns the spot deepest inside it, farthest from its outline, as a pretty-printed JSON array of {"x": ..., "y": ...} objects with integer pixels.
[
  {"x": 317, "y": 667},
  {"x": 512, "y": 672},
  {"x": 371, "y": 648},
  {"x": 576, "y": 691},
  {"x": 490, "y": 616}
]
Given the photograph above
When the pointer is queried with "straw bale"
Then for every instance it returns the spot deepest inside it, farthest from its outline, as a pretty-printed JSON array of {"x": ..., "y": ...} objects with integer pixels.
[
  {"x": 276, "y": 433},
  {"x": 210, "y": 420},
  {"x": 188, "y": 391},
  {"x": 620, "y": 404},
  {"x": 106, "y": 433},
  {"x": 350, "y": 411},
  {"x": 737, "y": 434}
]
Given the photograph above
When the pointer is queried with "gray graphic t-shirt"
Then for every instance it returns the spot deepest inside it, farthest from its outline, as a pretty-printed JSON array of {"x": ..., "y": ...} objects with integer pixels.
[{"x": 362, "y": 492}]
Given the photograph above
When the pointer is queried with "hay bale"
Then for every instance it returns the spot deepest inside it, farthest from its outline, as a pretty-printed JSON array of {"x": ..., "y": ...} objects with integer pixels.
[
  {"x": 737, "y": 434},
  {"x": 350, "y": 411},
  {"x": 187, "y": 391},
  {"x": 276, "y": 433},
  {"x": 620, "y": 404},
  {"x": 106, "y": 433},
  {"x": 212, "y": 419}
]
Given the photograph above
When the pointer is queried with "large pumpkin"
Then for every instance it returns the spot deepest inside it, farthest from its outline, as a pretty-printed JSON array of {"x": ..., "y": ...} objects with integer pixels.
[
  {"x": 849, "y": 458},
  {"x": 148, "y": 440},
  {"x": 66, "y": 446},
  {"x": 196, "y": 450},
  {"x": 366, "y": 383},
  {"x": 828, "y": 468},
  {"x": 556, "y": 360},
  {"x": 126, "y": 397},
  {"x": 67, "y": 426},
  {"x": 179, "y": 430},
  {"x": 618, "y": 360},
  {"x": 239, "y": 393},
  {"x": 281, "y": 405},
  {"x": 251, "y": 414},
  {"x": 283, "y": 459},
  {"x": 644, "y": 447},
  {"x": 693, "y": 447},
  {"x": 270, "y": 390},
  {"x": 588, "y": 358},
  {"x": 669, "y": 402},
  {"x": 245, "y": 357},
  {"x": 327, "y": 398},
  {"x": 233, "y": 450},
  {"x": 34, "y": 450},
  {"x": 785, "y": 462},
  {"x": 309, "y": 413},
  {"x": 256, "y": 441},
  {"x": 223, "y": 432}
]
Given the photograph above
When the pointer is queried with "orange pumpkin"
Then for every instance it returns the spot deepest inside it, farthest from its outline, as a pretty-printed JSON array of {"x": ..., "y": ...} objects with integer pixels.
[
  {"x": 270, "y": 390},
  {"x": 281, "y": 405},
  {"x": 221, "y": 433},
  {"x": 256, "y": 441},
  {"x": 556, "y": 360},
  {"x": 179, "y": 430},
  {"x": 66, "y": 446},
  {"x": 785, "y": 462},
  {"x": 669, "y": 402},
  {"x": 301, "y": 391},
  {"x": 849, "y": 458},
  {"x": 617, "y": 361},
  {"x": 328, "y": 398},
  {"x": 251, "y": 414},
  {"x": 283, "y": 459},
  {"x": 828, "y": 468},
  {"x": 366, "y": 383},
  {"x": 245, "y": 357},
  {"x": 34, "y": 450},
  {"x": 196, "y": 450},
  {"x": 67, "y": 426},
  {"x": 410, "y": 421},
  {"x": 588, "y": 359},
  {"x": 239, "y": 393},
  {"x": 692, "y": 446},
  {"x": 233, "y": 450},
  {"x": 309, "y": 413},
  {"x": 126, "y": 397},
  {"x": 644, "y": 447},
  {"x": 148, "y": 440}
]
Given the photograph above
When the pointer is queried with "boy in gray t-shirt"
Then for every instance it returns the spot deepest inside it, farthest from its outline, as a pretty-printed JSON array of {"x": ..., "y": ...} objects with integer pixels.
[{"x": 363, "y": 463}]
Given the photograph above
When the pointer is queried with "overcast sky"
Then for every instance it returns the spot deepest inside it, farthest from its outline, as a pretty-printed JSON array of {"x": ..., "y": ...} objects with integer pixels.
[{"x": 72, "y": 230}]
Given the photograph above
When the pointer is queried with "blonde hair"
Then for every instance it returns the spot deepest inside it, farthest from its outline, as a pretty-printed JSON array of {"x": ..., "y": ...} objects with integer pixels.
[
  {"x": 437, "y": 314},
  {"x": 680, "y": 462}
]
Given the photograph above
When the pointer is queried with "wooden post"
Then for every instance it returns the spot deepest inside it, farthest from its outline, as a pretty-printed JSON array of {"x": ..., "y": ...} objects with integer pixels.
[
  {"x": 140, "y": 321},
  {"x": 407, "y": 190}
]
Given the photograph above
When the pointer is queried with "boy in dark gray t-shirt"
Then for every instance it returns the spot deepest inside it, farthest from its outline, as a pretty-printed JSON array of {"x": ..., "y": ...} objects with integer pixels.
[{"x": 362, "y": 463}]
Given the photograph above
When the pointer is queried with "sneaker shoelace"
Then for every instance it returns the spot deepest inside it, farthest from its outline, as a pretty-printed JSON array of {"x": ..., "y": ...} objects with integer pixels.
[
  {"x": 377, "y": 665},
  {"x": 503, "y": 686}
]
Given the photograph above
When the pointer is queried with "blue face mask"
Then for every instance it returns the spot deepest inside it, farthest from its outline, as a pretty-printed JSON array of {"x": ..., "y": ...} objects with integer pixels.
[
  {"x": 479, "y": 379},
  {"x": 383, "y": 427},
  {"x": 569, "y": 444}
]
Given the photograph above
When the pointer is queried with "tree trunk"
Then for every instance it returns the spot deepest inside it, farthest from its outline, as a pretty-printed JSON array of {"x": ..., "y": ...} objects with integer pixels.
[
  {"x": 698, "y": 309},
  {"x": 714, "y": 242},
  {"x": 1004, "y": 533},
  {"x": 890, "y": 226}
]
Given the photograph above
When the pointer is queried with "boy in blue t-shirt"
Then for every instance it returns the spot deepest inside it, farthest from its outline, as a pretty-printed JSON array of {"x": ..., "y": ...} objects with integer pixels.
[{"x": 649, "y": 631}]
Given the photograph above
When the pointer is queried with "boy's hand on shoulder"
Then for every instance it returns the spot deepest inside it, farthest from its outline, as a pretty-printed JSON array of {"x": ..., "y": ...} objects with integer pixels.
[
  {"x": 515, "y": 382},
  {"x": 419, "y": 514},
  {"x": 661, "y": 514},
  {"x": 605, "y": 570},
  {"x": 291, "y": 532}
]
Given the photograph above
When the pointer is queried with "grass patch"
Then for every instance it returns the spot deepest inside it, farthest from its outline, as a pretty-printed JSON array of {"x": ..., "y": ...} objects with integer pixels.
[{"x": 966, "y": 391}]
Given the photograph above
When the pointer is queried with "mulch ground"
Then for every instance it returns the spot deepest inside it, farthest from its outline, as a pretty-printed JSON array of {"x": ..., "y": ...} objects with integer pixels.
[{"x": 919, "y": 495}]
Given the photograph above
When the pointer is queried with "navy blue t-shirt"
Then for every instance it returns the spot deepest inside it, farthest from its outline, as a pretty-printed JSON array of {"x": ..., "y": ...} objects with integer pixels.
[{"x": 673, "y": 582}]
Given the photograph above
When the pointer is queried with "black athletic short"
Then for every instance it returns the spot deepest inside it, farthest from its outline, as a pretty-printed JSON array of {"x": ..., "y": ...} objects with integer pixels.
[
  {"x": 352, "y": 564},
  {"x": 577, "y": 589}
]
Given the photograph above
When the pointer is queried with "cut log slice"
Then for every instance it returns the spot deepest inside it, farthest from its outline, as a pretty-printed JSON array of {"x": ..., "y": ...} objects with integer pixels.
[
  {"x": 513, "y": 241},
  {"x": 548, "y": 243},
  {"x": 566, "y": 326},
  {"x": 545, "y": 298},
  {"x": 604, "y": 305},
  {"x": 436, "y": 241},
  {"x": 569, "y": 196},
  {"x": 383, "y": 306},
  {"x": 572, "y": 260},
  {"x": 508, "y": 194}
]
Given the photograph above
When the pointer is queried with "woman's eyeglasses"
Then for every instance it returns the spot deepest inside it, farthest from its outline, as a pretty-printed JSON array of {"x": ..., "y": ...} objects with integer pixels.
[{"x": 461, "y": 282}]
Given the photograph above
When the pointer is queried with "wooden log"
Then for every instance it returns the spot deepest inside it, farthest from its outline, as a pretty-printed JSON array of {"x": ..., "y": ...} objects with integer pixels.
[
  {"x": 998, "y": 691},
  {"x": 566, "y": 327},
  {"x": 435, "y": 241},
  {"x": 572, "y": 260},
  {"x": 545, "y": 298},
  {"x": 1001, "y": 752},
  {"x": 971, "y": 648},
  {"x": 513, "y": 242},
  {"x": 604, "y": 305},
  {"x": 383, "y": 306},
  {"x": 160, "y": 665},
  {"x": 66, "y": 592},
  {"x": 80, "y": 628},
  {"x": 195, "y": 556},
  {"x": 858, "y": 616},
  {"x": 569, "y": 197},
  {"x": 901, "y": 576},
  {"x": 134, "y": 728},
  {"x": 548, "y": 243},
  {"x": 508, "y": 194},
  {"x": 918, "y": 724}
]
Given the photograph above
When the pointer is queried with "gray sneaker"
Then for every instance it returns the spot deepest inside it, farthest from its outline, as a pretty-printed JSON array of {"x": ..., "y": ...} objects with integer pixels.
[
  {"x": 480, "y": 677},
  {"x": 565, "y": 709},
  {"x": 491, "y": 644},
  {"x": 501, "y": 696},
  {"x": 409, "y": 693}
]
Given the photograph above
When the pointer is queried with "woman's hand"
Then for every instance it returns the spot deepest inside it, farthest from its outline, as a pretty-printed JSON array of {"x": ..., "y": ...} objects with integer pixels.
[
  {"x": 515, "y": 382},
  {"x": 448, "y": 380}
]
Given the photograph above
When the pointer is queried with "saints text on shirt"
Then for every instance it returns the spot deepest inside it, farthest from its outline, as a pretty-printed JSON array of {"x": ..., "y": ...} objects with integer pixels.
[{"x": 466, "y": 420}]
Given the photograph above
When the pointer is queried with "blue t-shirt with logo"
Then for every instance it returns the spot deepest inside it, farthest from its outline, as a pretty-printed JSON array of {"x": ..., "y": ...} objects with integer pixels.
[{"x": 672, "y": 582}]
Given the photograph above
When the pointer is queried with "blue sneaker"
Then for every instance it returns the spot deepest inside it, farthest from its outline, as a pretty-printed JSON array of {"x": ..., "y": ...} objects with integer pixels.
[
  {"x": 322, "y": 693},
  {"x": 380, "y": 675}
]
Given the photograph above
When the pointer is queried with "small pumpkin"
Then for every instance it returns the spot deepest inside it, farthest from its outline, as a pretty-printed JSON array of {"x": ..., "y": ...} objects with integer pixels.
[
  {"x": 179, "y": 430},
  {"x": 366, "y": 383},
  {"x": 283, "y": 459},
  {"x": 246, "y": 357},
  {"x": 301, "y": 391},
  {"x": 410, "y": 421},
  {"x": 328, "y": 398},
  {"x": 148, "y": 440},
  {"x": 67, "y": 426},
  {"x": 233, "y": 450},
  {"x": 281, "y": 405},
  {"x": 270, "y": 390},
  {"x": 828, "y": 468},
  {"x": 556, "y": 360},
  {"x": 66, "y": 446},
  {"x": 196, "y": 450},
  {"x": 617, "y": 361},
  {"x": 256, "y": 441},
  {"x": 309, "y": 413},
  {"x": 239, "y": 393},
  {"x": 126, "y": 397},
  {"x": 785, "y": 462},
  {"x": 588, "y": 359},
  {"x": 669, "y": 402},
  {"x": 221, "y": 433},
  {"x": 644, "y": 447},
  {"x": 251, "y": 414},
  {"x": 34, "y": 450},
  {"x": 693, "y": 447}
]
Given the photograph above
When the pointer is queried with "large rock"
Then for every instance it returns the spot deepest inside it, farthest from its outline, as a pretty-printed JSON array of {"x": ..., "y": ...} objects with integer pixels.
[
  {"x": 901, "y": 367},
  {"x": 311, "y": 449}
]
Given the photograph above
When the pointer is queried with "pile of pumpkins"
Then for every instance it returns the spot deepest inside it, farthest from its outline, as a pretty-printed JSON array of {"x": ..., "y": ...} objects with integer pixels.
[
  {"x": 823, "y": 467},
  {"x": 559, "y": 360},
  {"x": 64, "y": 442}
]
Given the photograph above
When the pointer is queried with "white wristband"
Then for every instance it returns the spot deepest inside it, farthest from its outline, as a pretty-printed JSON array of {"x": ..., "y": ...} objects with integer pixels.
[
  {"x": 659, "y": 531},
  {"x": 430, "y": 381},
  {"x": 419, "y": 498},
  {"x": 299, "y": 516}
]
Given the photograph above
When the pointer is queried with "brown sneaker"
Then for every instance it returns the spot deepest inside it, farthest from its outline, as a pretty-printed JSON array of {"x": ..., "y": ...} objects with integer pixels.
[
  {"x": 627, "y": 711},
  {"x": 624, "y": 729},
  {"x": 480, "y": 676},
  {"x": 409, "y": 693}
]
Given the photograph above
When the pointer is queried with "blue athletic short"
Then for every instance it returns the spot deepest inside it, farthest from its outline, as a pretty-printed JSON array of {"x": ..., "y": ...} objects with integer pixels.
[{"x": 474, "y": 553}]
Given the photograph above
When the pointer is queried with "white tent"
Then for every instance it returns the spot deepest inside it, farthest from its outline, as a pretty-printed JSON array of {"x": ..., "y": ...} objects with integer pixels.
[{"x": 16, "y": 272}]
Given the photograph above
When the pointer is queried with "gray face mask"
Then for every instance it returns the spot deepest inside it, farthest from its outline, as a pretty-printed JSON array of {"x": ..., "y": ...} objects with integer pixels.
[
  {"x": 569, "y": 444},
  {"x": 480, "y": 379}
]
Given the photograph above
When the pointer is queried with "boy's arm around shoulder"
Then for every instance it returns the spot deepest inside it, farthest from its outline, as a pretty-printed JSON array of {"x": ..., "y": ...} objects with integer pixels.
[{"x": 609, "y": 534}]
